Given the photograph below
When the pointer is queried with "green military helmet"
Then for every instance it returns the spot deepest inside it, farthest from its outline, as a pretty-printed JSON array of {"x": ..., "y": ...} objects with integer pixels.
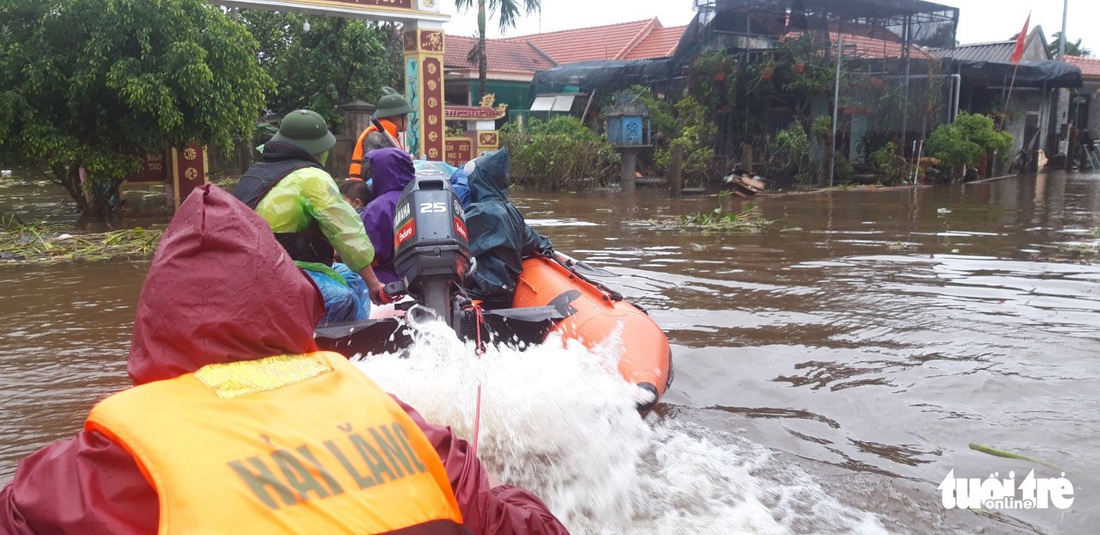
[
  {"x": 307, "y": 130},
  {"x": 392, "y": 104}
]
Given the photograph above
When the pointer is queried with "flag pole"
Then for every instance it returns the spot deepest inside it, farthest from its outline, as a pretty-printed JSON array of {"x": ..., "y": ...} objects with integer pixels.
[
  {"x": 1004, "y": 115},
  {"x": 1017, "y": 55}
]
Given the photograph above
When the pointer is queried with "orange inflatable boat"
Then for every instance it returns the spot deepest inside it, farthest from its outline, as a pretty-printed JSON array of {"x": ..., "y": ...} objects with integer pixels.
[
  {"x": 558, "y": 294},
  {"x": 592, "y": 313}
]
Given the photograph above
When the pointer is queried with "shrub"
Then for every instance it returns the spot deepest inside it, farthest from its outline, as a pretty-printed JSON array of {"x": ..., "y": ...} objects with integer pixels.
[
  {"x": 551, "y": 154},
  {"x": 966, "y": 141}
]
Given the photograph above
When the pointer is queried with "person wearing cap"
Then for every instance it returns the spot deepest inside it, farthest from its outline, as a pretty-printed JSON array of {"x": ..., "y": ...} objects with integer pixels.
[
  {"x": 290, "y": 188},
  {"x": 237, "y": 423},
  {"x": 393, "y": 112}
]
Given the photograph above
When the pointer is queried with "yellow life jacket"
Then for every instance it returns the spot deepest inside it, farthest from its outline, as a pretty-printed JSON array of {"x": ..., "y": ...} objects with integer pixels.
[
  {"x": 355, "y": 170},
  {"x": 286, "y": 444}
]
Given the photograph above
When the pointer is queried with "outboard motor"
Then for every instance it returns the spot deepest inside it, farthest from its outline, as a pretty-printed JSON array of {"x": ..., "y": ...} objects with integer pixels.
[{"x": 431, "y": 246}]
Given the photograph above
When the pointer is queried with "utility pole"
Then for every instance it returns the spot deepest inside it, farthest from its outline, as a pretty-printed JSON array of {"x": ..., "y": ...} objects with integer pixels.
[
  {"x": 1062, "y": 41},
  {"x": 836, "y": 100}
]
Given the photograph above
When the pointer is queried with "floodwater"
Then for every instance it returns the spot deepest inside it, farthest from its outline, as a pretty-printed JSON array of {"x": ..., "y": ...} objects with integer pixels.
[{"x": 831, "y": 371}]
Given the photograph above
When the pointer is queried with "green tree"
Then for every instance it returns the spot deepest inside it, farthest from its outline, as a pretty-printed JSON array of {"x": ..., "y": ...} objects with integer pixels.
[
  {"x": 94, "y": 85},
  {"x": 1073, "y": 48},
  {"x": 966, "y": 141},
  {"x": 335, "y": 61},
  {"x": 508, "y": 11}
]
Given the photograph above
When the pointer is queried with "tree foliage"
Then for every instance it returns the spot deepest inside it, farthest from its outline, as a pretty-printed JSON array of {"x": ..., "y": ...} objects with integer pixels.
[
  {"x": 1073, "y": 48},
  {"x": 97, "y": 84},
  {"x": 966, "y": 141},
  {"x": 337, "y": 60}
]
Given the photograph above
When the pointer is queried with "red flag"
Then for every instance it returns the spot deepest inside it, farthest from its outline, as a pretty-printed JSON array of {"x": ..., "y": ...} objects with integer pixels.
[{"x": 1019, "y": 52}]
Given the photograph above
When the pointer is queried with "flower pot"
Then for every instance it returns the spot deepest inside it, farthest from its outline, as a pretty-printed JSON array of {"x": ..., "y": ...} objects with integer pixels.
[
  {"x": 766, "y": 75},
  {"x": 798, "y": 68},
  {"x": 720, "y": 77},
  {"x": 878, "y": 84}
]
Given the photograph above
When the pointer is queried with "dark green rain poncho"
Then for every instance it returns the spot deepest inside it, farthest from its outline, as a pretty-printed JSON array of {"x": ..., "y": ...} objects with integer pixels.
[{"x": 499, "y": 237}]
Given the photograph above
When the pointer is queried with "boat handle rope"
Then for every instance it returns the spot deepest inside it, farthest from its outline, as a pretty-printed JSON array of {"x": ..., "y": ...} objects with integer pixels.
[{"x": 480, "y": 350}]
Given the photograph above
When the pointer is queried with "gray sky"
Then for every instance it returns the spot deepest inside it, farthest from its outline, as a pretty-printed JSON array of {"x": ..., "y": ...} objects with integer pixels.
[{"x": 979, "y": 20}]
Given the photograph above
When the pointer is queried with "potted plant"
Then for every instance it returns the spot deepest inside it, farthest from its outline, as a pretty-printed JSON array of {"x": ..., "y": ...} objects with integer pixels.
[
  {"x": 823, "y": 126},
  {"x": 798, "y": 68}
]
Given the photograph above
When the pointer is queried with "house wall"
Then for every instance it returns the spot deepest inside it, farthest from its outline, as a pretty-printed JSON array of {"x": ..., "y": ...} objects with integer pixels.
[{"x": 516, "y": 94}]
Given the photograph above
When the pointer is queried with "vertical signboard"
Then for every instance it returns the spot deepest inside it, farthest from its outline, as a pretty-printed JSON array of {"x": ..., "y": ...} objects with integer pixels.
[
  {"x": 424, "y": 89},
  {"x": 190, "y": 169}
]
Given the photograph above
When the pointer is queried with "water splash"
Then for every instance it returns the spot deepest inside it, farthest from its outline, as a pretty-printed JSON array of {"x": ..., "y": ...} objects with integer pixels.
[{"x": 558, "y": 419}]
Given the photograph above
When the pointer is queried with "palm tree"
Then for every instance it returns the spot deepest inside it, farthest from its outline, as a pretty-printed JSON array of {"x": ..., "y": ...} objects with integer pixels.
[
  {"x": 509, "y": 10},
  {"x": 1073, "y": 48}
]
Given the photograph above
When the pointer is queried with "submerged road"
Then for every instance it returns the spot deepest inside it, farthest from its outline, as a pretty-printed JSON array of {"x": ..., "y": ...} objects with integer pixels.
[{"x": 831, "y": 370}]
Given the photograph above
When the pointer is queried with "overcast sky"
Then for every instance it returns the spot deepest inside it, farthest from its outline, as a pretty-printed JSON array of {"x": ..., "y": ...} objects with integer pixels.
[{"x": 979, "y": 20}]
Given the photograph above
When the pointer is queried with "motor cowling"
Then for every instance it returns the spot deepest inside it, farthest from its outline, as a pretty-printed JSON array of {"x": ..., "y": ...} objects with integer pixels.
[{"x": 431, "y": 244}]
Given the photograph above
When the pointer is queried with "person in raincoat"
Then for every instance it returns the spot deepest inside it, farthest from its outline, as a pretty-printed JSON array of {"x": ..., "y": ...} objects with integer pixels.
[
  {"x": 236, "y": 423},
  {"x": 293, "y": 192},
  {"x": 392, "y": 170},
  {"x": 499, "y": 237}
]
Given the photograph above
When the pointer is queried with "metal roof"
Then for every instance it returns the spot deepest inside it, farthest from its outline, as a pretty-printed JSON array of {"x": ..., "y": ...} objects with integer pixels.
[
  {"x": 896, "y": 11},
  {"x": 997, "y": 52}
]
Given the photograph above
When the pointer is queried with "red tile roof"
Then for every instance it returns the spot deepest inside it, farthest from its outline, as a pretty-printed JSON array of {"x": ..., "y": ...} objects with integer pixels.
[
  {"x": 502, "y": 56},
  {"x": 645, "y": 39},
  {"x": 875, "y": 47},
  {"x": 661, "y": 43},
  {"x": 862, "y": 43},
  {"x": 613, "y": 41},
  {"x": 1090, "y": 67}
]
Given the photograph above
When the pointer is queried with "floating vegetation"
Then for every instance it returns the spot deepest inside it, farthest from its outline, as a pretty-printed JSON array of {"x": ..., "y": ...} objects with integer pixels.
[
  {"x": 23, "y": 243},
  {"x": 1009, "y": 455},
  {"x": 748, "y": 220}
]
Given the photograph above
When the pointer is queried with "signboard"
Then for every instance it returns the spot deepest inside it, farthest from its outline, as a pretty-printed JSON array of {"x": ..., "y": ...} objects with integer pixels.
[
  {"x": 459, "y": 151},
  {"x": 189, "y": 170},
  {"x": 154, "y": 170},
  {"x": 394, "y": 10}
]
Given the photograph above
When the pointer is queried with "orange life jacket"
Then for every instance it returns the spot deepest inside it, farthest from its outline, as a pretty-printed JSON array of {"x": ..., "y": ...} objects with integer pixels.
[
  {"x": 355, "y": 172},
  {"x": 287, "y": 444}
]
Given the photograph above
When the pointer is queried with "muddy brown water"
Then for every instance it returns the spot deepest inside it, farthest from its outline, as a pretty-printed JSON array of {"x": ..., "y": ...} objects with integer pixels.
[{"x": 867, "y": 337}]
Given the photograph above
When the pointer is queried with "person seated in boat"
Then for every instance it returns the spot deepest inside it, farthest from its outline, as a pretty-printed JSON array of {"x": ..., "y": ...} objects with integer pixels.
[
  {"x": 357, "y": 193},
  {"x": 460, "y": 181},
  {"x": 499, "y": 237},
  {"x": 293, "y": 192},
  {"x": 236, "y": 423},
  {"x": 393, "y": 114},
  {"x": 391, "y": 169}
]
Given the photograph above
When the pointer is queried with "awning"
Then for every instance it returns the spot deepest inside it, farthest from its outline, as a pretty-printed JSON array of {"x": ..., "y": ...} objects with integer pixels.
[
  {"x": 562, "y": 103},
  {"x": 1045, "y": 73}
]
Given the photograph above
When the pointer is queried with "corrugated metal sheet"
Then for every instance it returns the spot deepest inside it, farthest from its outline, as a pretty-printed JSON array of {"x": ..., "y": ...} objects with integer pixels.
[{"x": 998, "y": 52}]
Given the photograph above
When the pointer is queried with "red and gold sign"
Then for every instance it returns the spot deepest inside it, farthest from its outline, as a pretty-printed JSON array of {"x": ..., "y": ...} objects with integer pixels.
[
  {"x": 431, "y": 41},
  {"x": 459, "y": 151},
  {"x": 399, "y": 4},
  {"x": 153, "y": 170},
  {"x": 408, "y": 41},
  {"x": 189, "y": 170},
  {"x": 433, "y": 106},
  {"x": 488, "y": 140}
]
